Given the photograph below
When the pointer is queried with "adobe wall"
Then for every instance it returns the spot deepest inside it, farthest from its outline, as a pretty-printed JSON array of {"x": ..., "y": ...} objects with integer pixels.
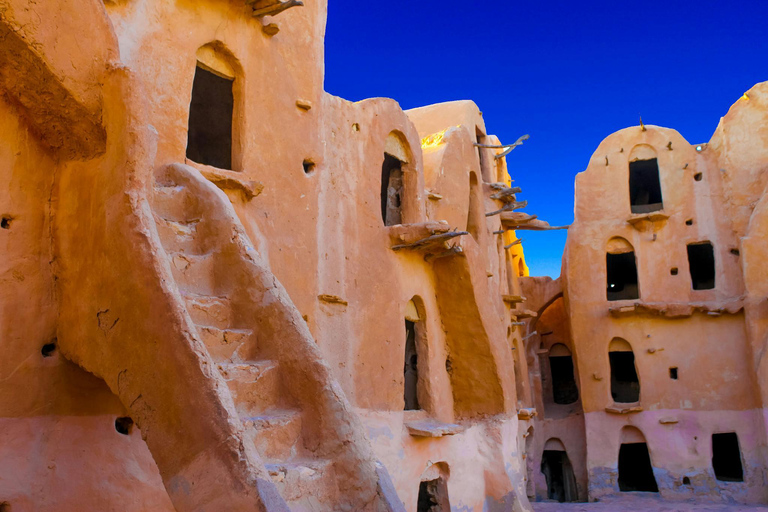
[{"x": 700, "y": 332}]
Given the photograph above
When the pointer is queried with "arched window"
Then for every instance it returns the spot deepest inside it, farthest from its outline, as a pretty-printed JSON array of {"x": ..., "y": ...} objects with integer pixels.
[
  {"x": 644, "y": 184},
  {"x": 635, "y": 469},
  {"x": 625, "y": 385},
  {"x": 211, "y": 128},
  {"x": 564, "y": 389},
  {"x": 415, "y": 338},
  {"x": 621, "y": 270},
  {"x": 558, "y": 472},
  {"x": 393, "y": 180}
]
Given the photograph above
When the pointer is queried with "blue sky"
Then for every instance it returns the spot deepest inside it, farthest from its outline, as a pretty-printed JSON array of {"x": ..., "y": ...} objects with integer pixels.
[{"x": 567, "y": 73}]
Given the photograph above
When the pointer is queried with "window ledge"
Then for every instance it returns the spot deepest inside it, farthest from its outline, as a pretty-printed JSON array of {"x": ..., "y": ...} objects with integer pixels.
[
  {"x": 432, "y": 428},
  {"x": 676, "y": 309},
  {"x": 624, "y": 408},
  {"x": 647, "y": 221},
  {"x": 229, "y": 180}
]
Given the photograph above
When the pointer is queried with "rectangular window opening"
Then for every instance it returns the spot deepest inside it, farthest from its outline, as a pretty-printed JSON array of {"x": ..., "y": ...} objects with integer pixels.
[
  {"x": 209, "y": 139},
  {"x": 701, "y": 260},
  {"x": 644, "y": 186},
  {"x": 726, "y": 457},
  {"x": 622, "y": 276},
  {"x": 673, "y": 373}
]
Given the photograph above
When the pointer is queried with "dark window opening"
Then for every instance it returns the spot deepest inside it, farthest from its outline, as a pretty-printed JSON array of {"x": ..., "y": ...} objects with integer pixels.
[
  {"x": 673, "y": 271},
  {"x": 644, "y": 186},
  {"x": 635, "y": 470},
  {"x": 698, "y": 176},
  {"x": 625, "y": 386},
  {"x": 391, "y": 190},
  {"x": 124, "y": 425},
  {"x": 564, "y": 387},
  {"x": 48, "y": 349},
  {"x": 673, "y": 373},
  {"x": 209, "y": 140},
  {"x": 5, "y": 222},
  {"x": 309, "y": 166},
  {"x": 410, "y": 370},
  {"x": 433, "y": 496},
  {"x": 558, "y": 472},
  {"x": 701, "y": 259},
  {"x": 726, "y": 457},
  {"x": 622, "y": 276},
  {"x": 735, "y": 252},
  {"x": 686, "y": 480},
  {"x": 481, "y": 156},
  {"x": 472, "y": 224},
  {"x": 689, "y": 222}
]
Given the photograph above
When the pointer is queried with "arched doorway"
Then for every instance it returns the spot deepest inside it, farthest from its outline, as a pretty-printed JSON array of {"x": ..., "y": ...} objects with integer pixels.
[
  {"x": 635, "y": 469},
  {"x": 558, "y": 471}
]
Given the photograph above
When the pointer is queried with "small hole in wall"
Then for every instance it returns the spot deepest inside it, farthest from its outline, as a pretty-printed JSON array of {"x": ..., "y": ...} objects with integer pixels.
[
  {"x": 673, "y": 373},
  {"x": 448, "y": 366},
  {"x": 124, "y": 425},
  {"x": 5, "y": 507},
  {"x": 689, "y": 222},
  {"x": 697, "y": 176},
  {"x": 48, "y": 349},
  {"x": 309, "y": 166},
  {"x": 673, "y": 271},
  {"x": 356, "y": 127},
  {"x": 686, "y": 480},
  {"x": 5, "y": 223},
  {"x": 735, "y": 252}
]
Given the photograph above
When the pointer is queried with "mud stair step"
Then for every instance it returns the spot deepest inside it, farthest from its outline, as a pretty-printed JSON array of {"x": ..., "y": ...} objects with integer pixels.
[
  {"x": 194, "y": 273},
  {"x": 175, "y": 203},
  {"x": 306, "y": 485},
  {"x": 276, "y": 433},
  {"x": 230, "y": 345},
  {"x": 209, "y": 310},
  {"x": 255, "y": 387},
  {"x": 179, "y": 236}
]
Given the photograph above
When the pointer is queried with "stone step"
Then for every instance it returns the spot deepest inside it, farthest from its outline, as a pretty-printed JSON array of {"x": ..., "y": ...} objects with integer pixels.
[
  {"x": 255, "y": 386},
  {"x": 209, "y": 310},
  {"x": 276, "y": 433},
  {"x": 306, "y": 485},
  {"x": 194, "y": 272},
  {"x": 229, "y": 345},
  {"x": 175, "y": 203},
  {"x": 178, "y": 236}
]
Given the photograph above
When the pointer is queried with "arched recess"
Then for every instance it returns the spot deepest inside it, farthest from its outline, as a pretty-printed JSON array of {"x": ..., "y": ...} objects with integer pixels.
[
  {"x": 558, "y": 472},
  {"x": 433, "y": 489},
  {"x": 625, "y": 383},
  {"x": 644, "y": 183},
  {"x": 216, "y": 113},
  {"x": 621, "y": 270},
  {"x": 398, "y": 182},
  {"x": 415, "y": 379},
  {"x": 475, "y": 215},
  {"x": 635, "y": 468},
  {"x": 564, "y": 388}
]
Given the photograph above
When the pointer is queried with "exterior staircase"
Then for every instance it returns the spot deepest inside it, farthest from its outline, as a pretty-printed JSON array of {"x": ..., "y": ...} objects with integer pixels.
[{"x": 207, "y": 250}]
